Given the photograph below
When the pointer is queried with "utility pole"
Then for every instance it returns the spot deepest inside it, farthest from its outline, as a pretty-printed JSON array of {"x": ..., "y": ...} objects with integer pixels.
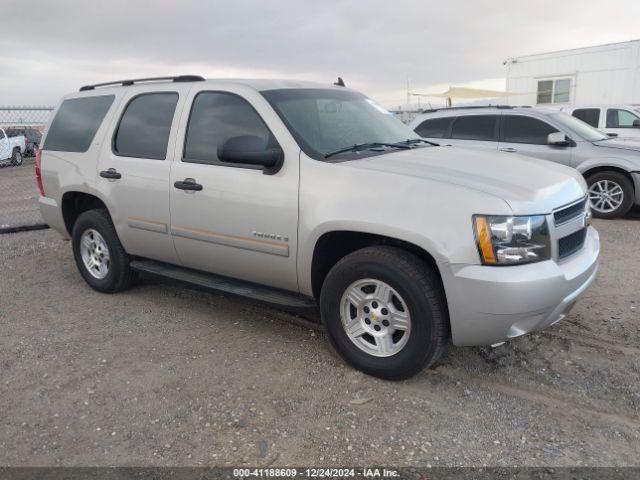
[{"x": 408, "y": 93}]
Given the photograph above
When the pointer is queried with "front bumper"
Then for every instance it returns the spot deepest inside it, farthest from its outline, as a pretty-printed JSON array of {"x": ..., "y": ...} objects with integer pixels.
[{"x": 489, "y": 305}]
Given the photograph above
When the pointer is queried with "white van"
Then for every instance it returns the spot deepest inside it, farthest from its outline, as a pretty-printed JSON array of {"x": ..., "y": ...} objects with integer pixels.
[{"x": 623, "y": 120}]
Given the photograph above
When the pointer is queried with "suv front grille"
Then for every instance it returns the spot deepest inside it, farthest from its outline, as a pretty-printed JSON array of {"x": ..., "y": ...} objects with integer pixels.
[
  {"x": 569, "y": 213},
  {"x": 571, "y": 243}
]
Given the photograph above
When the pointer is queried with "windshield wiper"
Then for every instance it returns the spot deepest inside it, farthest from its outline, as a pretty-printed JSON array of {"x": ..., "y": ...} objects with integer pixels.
[
  {"x": 413, "y": 141},
  {"x": 366, "y": 146}
]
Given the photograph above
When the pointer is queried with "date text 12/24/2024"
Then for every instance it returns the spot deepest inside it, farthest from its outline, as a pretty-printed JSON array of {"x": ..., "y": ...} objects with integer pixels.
[{"x": 367, "y": 472}]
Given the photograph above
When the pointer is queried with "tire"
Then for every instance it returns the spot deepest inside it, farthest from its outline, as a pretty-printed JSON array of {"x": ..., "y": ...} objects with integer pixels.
[
  {"x": 118, "y": 275},
  {"x": 414, "y": 286},
  {"x": 16, "y": 157},
  {"x": 615, "y": 182}
]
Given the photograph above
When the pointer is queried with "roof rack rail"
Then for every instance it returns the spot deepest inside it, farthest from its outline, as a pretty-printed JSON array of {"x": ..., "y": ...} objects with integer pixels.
[
  {"x": 474, "y": 107},
  {"x": 126, "y": 83}
]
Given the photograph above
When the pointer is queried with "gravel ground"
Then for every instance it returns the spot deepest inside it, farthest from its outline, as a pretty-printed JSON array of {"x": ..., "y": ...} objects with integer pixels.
[{"x": 167, "y": 375}]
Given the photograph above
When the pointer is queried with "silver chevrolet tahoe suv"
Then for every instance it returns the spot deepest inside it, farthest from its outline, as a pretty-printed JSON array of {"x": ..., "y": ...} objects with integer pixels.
[{"x": 306, "y": 195}]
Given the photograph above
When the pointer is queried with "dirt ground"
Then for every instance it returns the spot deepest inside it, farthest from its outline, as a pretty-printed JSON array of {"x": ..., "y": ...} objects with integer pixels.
[{"x": 167, "y": 375}]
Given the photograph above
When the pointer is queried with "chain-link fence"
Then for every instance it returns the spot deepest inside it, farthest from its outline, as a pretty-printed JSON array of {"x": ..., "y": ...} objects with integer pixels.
[
  {"x": 24, "y": 116},
  {"x": 18, "y": 190}
]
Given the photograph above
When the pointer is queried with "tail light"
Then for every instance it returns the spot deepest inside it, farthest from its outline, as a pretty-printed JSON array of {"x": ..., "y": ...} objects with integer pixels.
[{"x": 39, "y": 171}]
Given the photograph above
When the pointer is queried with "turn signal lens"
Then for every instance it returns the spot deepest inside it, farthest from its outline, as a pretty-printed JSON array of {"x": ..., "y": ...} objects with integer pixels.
[{"x": 484, "y": 240}]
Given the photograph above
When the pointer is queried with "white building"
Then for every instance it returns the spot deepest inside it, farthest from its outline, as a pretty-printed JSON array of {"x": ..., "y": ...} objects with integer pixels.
[{"x": 604, "y": 74}]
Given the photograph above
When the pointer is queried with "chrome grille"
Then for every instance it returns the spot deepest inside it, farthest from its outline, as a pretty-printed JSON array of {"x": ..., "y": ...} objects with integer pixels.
[
  {"x": 567, "y": 214},
  {"x": 571, "y": 243}
]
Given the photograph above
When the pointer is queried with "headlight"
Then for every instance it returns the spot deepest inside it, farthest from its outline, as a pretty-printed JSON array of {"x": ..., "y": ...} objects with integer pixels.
[{"x": 511, "y": 240}]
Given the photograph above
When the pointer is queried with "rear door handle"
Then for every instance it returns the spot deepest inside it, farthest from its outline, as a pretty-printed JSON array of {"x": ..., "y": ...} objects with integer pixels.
[
  {"x": 508, "y": 149},
  {"x": 111, "y": 173},
  {"x": 188, "y": 184}
]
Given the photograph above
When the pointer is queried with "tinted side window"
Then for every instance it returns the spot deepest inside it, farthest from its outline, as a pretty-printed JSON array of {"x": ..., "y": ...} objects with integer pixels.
[
  {"x": 76, "y": 123},
  {"x": 215, "y": 118},
  {"x": 474, "y": 127},
  {"x": 620, "y": 118},
  {"x": 588, "y": 115},
  {"x": 434, "y": 127},
  {"x": 518, "y": 129},
  {"x": 144, "y": 128}
]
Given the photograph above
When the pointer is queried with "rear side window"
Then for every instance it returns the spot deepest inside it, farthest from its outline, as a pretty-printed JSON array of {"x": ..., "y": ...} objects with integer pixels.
[
  {"x": 588, "y": 115},
  {"x": 145, "y": 125},
  {"x": 434, "y": 127},
  {"x": 519, "y": 129},
  {"x": 76, "y": 123},
  {"x": 617, "y": 118},
  {"x": 215, "y": 118},
  {"x": 474, "y": 127}
]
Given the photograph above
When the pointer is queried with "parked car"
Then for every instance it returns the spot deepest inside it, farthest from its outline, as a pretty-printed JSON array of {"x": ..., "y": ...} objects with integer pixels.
[
  {"x": 611, "y": 166},
  {"x": 308, "y": 195},
  {"x": 32, "y": 138},
  {"x": 11, "y": 147},
  {"x": 621, "y": 120}
]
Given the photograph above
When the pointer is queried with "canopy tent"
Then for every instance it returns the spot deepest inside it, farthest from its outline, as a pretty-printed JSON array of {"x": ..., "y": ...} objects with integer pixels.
[{"x": 463, "y": 92}]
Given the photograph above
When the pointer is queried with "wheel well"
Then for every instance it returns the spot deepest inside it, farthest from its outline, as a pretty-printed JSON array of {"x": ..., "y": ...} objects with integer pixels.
[
  {"x": 595, "y": 170},
  {"x": 333, "y": 246},
  {"x": 75, "y": 203}
]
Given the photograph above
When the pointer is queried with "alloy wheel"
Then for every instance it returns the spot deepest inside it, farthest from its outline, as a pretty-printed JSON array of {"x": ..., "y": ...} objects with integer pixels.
[
  {"x": 375, "y": 317},
  {"x": 95, "y": 254},
  {"x": 605, "y": 196}
]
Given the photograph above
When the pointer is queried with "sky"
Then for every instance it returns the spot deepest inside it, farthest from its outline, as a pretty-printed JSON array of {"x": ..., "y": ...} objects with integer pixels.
[{"x": 376, "y": 46}]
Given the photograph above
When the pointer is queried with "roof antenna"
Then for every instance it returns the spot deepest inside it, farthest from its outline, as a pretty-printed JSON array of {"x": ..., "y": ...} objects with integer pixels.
[{"x": 340, "y": 82}]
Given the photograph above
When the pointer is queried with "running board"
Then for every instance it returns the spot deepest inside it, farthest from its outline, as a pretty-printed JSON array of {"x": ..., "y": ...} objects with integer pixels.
[{"x": 223, "y": 284}]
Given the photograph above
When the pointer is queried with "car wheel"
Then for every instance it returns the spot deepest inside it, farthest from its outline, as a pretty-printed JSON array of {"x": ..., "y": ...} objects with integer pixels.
[
  {"x": 16, "y": 158},
  {"x": 384, "y": 312},
  {"x": 610, "y": 194},
  {"x": 98, "y": 253}
]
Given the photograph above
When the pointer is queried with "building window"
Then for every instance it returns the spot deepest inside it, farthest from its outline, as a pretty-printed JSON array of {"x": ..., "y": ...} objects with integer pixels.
[{"x": 554, "y": 91}]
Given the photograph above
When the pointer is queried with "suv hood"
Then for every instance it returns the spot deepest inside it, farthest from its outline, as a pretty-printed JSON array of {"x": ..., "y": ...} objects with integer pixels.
[
  {"x": 528, "y": 185},
  {"x": 631, "y": 144}
]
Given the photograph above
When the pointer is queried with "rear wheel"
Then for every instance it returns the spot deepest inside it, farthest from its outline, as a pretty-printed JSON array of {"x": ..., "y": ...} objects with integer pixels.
[
  {"x": 610, "y": 194},
  {"x": 16, "y": 157},
  {"x": 384, "y": 312},
  {"x": 98, "y": 253}
]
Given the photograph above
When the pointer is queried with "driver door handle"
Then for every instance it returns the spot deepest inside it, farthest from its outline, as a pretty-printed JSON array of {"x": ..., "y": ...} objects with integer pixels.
[
  {"x": 188, "y": 184},
  {"x": 509, "y": 149},
  {"x": 110, "y": 173}
]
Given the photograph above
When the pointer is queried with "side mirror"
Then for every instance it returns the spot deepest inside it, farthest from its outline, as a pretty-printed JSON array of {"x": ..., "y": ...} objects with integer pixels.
[
  {"x": 636, "y": 123},
  {"x": 251, "y": 150},
  {"x": 558, "y": 139}
]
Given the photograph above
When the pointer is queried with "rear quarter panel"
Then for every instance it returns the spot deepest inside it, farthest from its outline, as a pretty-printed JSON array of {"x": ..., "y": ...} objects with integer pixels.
[{"x": 64, "y": 172}]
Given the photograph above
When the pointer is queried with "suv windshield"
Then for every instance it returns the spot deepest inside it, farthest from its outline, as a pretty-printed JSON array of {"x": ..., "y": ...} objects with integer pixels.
[
  {"x": 580, "y": 128},
  {"x": 325, "y": 122}
]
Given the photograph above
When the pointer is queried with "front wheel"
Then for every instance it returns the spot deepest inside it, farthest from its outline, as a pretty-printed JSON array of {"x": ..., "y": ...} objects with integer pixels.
[
  {"x": 385, "y": 313},
  {"x": 610, "y": 194}
]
